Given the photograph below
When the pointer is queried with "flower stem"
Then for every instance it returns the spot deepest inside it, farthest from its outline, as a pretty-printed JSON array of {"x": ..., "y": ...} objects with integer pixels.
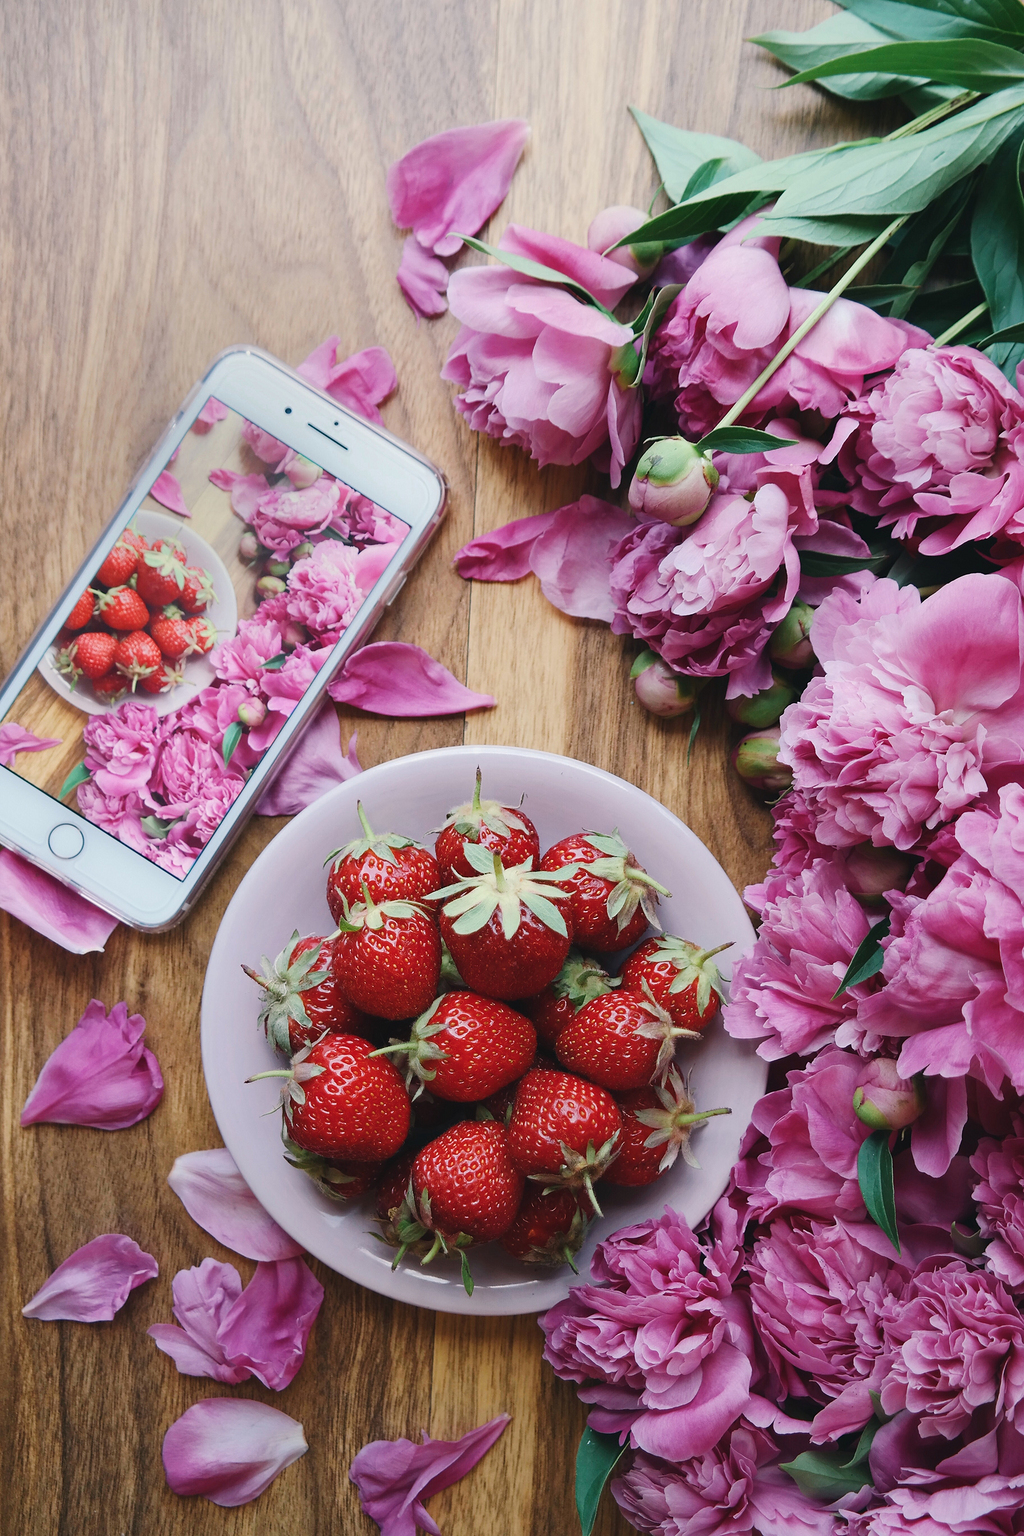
[
  {"x": 962, "y": 324},
  {"x": 868, "y": 254}
]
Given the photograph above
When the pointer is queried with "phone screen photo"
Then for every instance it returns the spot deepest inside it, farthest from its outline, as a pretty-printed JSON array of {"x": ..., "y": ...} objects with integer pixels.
[{"x": 196, "y": 636}]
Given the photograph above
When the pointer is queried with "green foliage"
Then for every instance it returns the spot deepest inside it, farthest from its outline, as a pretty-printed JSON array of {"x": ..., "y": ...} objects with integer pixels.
[
  {"x": 997, "y": 246},
  {"x": 868, "y": 957},
  {"x": 874, "y": 1174},
  {"x": 828, "y": 1472},
  {"x": 971, "y": 63},
  {"x": 595, "y": 1462},
  {"x": 680, "y": 154}
]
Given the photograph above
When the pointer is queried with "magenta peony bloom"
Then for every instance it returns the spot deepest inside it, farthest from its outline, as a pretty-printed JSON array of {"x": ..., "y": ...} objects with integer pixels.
[
  {"x": 121, "y": 747},
  {"x": 395, "y": 1476},
  {"x": 102, "y": 1074},
  {"x": 121, "y": 815},
  {"x": 242, "y": 658},
  {"x": 229, "y": 1449},
  {"x": 285, "y": 518},
  {"x": 1000, "y": 1200},
  {"x": 94, "y": 1282},
  {"x": 449, "y": 185},
  {"x": 916, "y": 707},
  {"x": 323, "y": 593},
  {"x": 940, "y": 443},
  {"x": 536, "y": 367},
  {"x": 423, "y": 280},
  {"x": 192, "y": 786}
]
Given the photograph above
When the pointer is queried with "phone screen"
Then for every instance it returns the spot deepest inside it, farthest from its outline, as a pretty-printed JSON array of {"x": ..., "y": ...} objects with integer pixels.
[{"x": 196, "y": 636}]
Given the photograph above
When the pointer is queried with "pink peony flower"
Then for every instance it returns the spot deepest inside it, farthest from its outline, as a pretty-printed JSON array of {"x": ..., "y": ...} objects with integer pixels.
[
  {"x": 1000, "y": 1200},
  {"x": 218, "y": 1199},
  {"x": 323, "y": 593},
  {"x": 121, "y": 747},
  {"x": 361, "y": 520},
  {"x": 316, "y": 765},
  {"x": 120, "y": 815},
  {"x": 536, "y": 367},
  {"x": 423, "y": 280},
  {"x": 51, "y": 908},
  {"x": 934, "y": 1489},
  {"x": 283, "y": 690},
  {"x": 242, "y": 658},
  {"x": 102, "y": 1074},
  {"x": 192, "y": 786},
  {"x": 450, "y": 184},
  {"x": 285, "y": 518},
  {"x": 940, "y": 443},
  {"x": 395, "y": 1476},
  {"x": 230, "y": 1450},
  {"x": 915, "y": 709},
  {"x": 94, "y": 1282}
]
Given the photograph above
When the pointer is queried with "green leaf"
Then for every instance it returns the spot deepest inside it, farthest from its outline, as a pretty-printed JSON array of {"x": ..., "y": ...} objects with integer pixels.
[
  {"x": 1008, "y": 333},
  {"x": 868, "y": 957},
  {"x": 530, "y": 268},
  {"x": 232, "y": 736},
  {"x": 694, "y": 728},
  {"x": 802, "y": 50},
  {"x": 972, "y": 63},
  {"x": 75, "y": 777},
  {"x": 874, "y": 1175},
  {"x": 741, "y": 440},
  {"x": 879, "y": 295},
  {"x": 275, "y": 663},
  {"x": 814, "y": 564},
  {"x": 679, "y": 153},
  {"x": 705, "y": 176},
  {"x": 643, "y": 661},
  {"x": 595, "y": 1462},
  {"x": 936, "y": 310},
  {"x": 842, "y": 231},
  {"x": 652, "y": 314},
  {"x": 997, "y": 249},
  {"x": 997, "y": 15},
  {"x": 822, "y": 1475},
  {"x": 938, "y": 18}
]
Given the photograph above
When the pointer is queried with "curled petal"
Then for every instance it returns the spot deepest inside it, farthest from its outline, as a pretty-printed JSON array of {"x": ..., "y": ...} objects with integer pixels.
[
  {"x": 52, "y": 909},
  {"x": 245, "y": 490},
  {"x": 166, "y": 489},
  {"x": 15, "y": 738},
  {"x": 395, "y": 1476},
  {"x": 423, "y": 279},
  {"x": 391, "y": 678},
  {"x": 267, "y": 1327},
  {"x": 94, "y": 1283},
  {"x": 100, "y": 1075},
  {"x": 360, "y": 382},
  {"x": 452, "y": 183},
  {"x": 503, "y": 555},
  {"x": 572, "y": 558},
  {"x": 230, "y": 1450},
  {"x": 203, "y": 1297},
  {"x": 316, "y": 765},
  {"x": 218, "y": 1199}
]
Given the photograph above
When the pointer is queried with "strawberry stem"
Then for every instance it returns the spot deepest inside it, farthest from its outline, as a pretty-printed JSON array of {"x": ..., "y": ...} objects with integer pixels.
[
  {"x": 499, "y": 873},
  {"x": 364, "y": 823},
  {"x": 434, "y": 1249},
  {"x": 701, "y": 1114},
  {"x": 588, "y": 1186},
  {"x": 705, "y": 954},
  {"x": 277, "y": 1072},
  {"x": 641, "y": 877},
  {"x": 476, "y": 790}
]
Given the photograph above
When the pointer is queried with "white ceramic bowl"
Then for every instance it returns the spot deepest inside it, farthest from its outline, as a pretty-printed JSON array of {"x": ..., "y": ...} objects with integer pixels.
[{"x": 285, "y": 890}]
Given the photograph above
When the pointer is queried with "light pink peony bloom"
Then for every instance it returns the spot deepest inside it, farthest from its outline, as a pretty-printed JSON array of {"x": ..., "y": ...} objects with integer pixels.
[
  {"x": 940, "y": 443},
  {"x": 94, "y": 1282},
  {"x": 268, "y": 1325},
  {"x": 193, "y": 787},
  {"x": 393, "y": 678},
  {"x": 218, "y": 1199},
  {"x": 536, "y": 367},
  {"x": 423, "y": 280},
  {"x": 322, "y": 591},
  {"x": 285, "y": 518},
  {"x": 121, "y": 747},
  {"x": 394, "y": 1477},
  {"x": 1000, "y": 1200},
  {"x": 915, "y": 710},
  {"x": 121, "y": 815},
  {"x": 213, "y": 710},
  {"x": 360, "y": 382},
  {"x": 361, "y": 520},
  {"x": 166, "y": 489},
  {"x": 102, "y": 1074},
  {"x": 230, "y": 1450},
  {"x": 52, "y": 909},
  {"x": 202, "y": 1298},
  {"x": 450, "y": 184},
  {"x": 14, "y": 739},
  {"x": 316, "y": 765},
  {"x": 283, "y": 690},
  {"x": 242, "y": 658}
]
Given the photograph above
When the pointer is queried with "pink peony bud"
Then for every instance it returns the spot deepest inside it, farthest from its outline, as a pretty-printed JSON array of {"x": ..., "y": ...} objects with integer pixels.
[
  {"x": 790, "y": 645},
  {"x": 673, "y": 482},
  {"x": 269, "y": 586},
  {"x": 277, "y": 568},
  {"x": 756, "y": 760},
  {"x": 248, "y": 547},
  {"x": 884, "y": 1100},
  {"x": 614, "y": 224},
  {"x": 870, "y": 872},
  {"x": 303, "y": 472},
  {"x": 292, "y": 635},
  {"x": 765, "y": 708},
  {"x": 661, "y": 690},
  {"x": 302, "y": 552},
  {"x": 252, "y": 712}
]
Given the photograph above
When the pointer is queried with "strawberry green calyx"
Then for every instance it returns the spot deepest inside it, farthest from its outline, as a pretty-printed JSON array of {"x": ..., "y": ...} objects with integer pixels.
[
  {"x": 468, "y": 819},
  {"x": 476, "y": 898},
  {"x": 694, "y": 965},
  {"x": 330, "y": 1181},
  {"x": 413, "y": 1225},
  {"x": 372, "y": 914},
  {"x": 581, "y": 979},
  {"x": 561, "y": 1247},
  {"x": 419, "y": 1050},
  {"x": 380, "y": 843},
  {"x": 660, "y": 1026},
  {"x": 673, "y": 1124},
  {"x": 449, "y": 980},
  {"x": 581, "y": 1170},
  {"x": 301, "y": 1071},
  {"x": 283, "y": 983},
  {"x": 633, "y": 888},
  {"x": 166, "y": 562}
]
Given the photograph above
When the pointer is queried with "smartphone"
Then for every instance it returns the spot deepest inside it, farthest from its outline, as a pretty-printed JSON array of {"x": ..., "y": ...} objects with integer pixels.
[{"x": 255, "y": 550}]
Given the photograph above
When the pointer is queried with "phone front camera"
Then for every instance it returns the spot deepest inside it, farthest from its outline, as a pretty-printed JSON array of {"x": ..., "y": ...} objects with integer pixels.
[{"x": 287, "y": 410}]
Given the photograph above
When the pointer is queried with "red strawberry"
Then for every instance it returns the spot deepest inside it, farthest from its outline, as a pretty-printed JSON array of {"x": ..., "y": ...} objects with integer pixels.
[
  {"x": 203, "y": 636},
  {"x": 682, "y": 977},
  {"x": 621, "y": 1040},
  {"x": 340, "y": 1101},
  {"x": 172, "y": 635},
  {"x": 577, "y": 983},
  {"x": 163, "y": 679},
  {"x": 134, "y": 539},
  {"x": 302, "y": 995},
  {"x": 122, "y": 608},
  {"x": 388, "y": 958},
  {"x": 391, "y": 866},
  {"x": 613, "y": 899},
  {"x": 197, "y": 593},
  {"x": 499, "y": 1105},
  {"x": 112, "y": 687},
  {"x": 137, "y": 655},
  {"x": 504, "y": 931},
  {"x": 90, "y": 655},
  {"x": 160, "y": 576},
  {"x": 394, "y": 1185},
  {"x": 337, "y": 1178},
  {"x": 488, "y": 824},
  {"x": 656, "y": 1126},
  {"x": 466, "y": 1047},
  {"x": 82, "y": 612},
  {"x": 563, "y": 1130},
  {"x": 549, "y": 1228},
  {"x": 120, "y": 564}
]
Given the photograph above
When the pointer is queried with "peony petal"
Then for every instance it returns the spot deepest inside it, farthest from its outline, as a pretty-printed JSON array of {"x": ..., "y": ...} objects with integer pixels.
[
  {"x": 360, "y": 382},
  {"x": 246, "y": 490},
  {"x": 15, "y": 739},
  {"x": 395, "y": 1476},
  {"x": 452, "y": 183},
  {"x": 52, "y": 909},
  {"x": 230, "y": 1450},
  {"x": 573, "y": 557},
  {"x": 94, "y": 1282},
  {"x": 423, "y": 279},
  {"x": 218, "y": 1199},
  {"x": 267, "y": 1327},
  {"x": 503, "y": 555},
  {"x": 166, "y": 489},
  {"x": 100, "y": 1075},
  {"x": 316, "y": 765},
  {"x": 208, "y": 417},
  {"x": 391, "y": 678},
  {"x": 203, "y": 1297}
]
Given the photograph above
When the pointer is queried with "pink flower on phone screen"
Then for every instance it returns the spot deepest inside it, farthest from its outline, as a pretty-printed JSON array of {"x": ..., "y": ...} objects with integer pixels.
[
  {"x": 193, "y": 786},
  {"x": 284, "y": 689},
  {"x": 121, "y": 747},
  {"x": 322, "y": 591},
  {"x": 285, "y": 518},
  {"x": 242, "y": 658}
]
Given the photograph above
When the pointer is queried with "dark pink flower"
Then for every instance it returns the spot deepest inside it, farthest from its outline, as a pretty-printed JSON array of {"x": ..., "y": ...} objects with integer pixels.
[
  {"x": 102, "y": 1074},
  {"x": 121, "y": 815},
  {"x": 322, "y": 591},
  {"x": 218, "y": 1199},
  {"x": 94, "y": 1282},
  {"x": 121, "y": 747},
  {"x": 933, "y": 1489},
  {"x": 51, "y": 908},
  {"x": 230, "y": 1450},
  {"x": 14, "y": 739},
  {"x": 316, "y": 765},
  {"x": 449, "y": 185},
  {"x": 423, "y": 280},
  {"x": 394, "y": 1477},
  {"x": 1000, "y": 1200},
  {"x": 393, "y": 678},
  {"x": 285, "y": 518}
]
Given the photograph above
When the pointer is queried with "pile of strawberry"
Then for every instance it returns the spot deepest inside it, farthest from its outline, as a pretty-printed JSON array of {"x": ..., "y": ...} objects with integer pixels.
[
  {"x": 139, "y": 621},
  {"x": 529, "y": 1073}
]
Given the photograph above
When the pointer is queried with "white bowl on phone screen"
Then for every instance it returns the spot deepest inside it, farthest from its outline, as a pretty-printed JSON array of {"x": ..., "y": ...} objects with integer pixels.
[{"x": 285, "y": 890}]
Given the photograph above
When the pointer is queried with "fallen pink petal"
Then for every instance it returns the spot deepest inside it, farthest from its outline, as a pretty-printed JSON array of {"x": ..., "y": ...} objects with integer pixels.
[
  {"x": 15, "y": 739},
  {"x": 218, "y": 1199},
  {"x": 166, "y": 489},
  {"x": 93, "y": 1283},
  {"x": 360, "y": 382},
  {"x": 316, "y": 765},
  {"x": 268, "y": 1325},
  {"x": 202, "y": 1298},
  {"x": 208, "y": 417},
  {"x": 52, "y": 909},
  {"x": 392, "y": 678},
  {"x": 102, "y": 1074},
  {"x": 573, "y": 557},
  {"x": 395, "y": 1476},
  {"x": 245, "y": 490},
  {"x": 230, "y": 1450},
  {"x": 423, "y": 280},
  {"x": 449, "y": 185},
  {"x": 504, "y": 554}
]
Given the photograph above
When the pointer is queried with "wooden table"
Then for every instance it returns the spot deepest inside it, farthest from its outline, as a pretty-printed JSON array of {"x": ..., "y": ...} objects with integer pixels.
[{"x": 174, "y": 180}]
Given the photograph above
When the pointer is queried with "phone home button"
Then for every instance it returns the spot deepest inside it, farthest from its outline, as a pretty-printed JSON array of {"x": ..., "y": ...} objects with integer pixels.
[{"x": 66, "y": 841}]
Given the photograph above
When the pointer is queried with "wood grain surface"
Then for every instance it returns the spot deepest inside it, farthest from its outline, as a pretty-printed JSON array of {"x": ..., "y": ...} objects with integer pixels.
[{"x": 177, "y": 178}]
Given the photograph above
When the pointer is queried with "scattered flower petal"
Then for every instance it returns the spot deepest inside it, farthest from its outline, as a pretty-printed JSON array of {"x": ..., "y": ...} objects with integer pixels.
[
  {"x": 15, "y": 738},
  {"x": 218, "y": 1199},
  {"x": 166, "y": 489},
  {"x": 316, "y": 765},
  {"x": 203, "y": 1298},
  {"x": 572, "y": 558},
  {"x": 503, "y": 555},
  {"x": 246, "y": 491},
  {"x": 391, "y": 678},
  {"x": 52, "y": 909},
  {"x": 395, "y": 1476},
  {"x": 100, "y": 1075},
  {"x": 451, "y": 184},
  {"x": 267, "y": 1327},
  {"x": 211, "y": 413},
  {"x": 360, "y": 382},
  {"x": 94, "y": 1282},
  {"x": 230, "y": 1450},
  {"x": 423, "y": 279}
]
